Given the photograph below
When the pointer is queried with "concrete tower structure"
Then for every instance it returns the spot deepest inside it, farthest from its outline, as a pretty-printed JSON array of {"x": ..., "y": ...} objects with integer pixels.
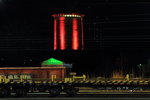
[{"x": 68, "y": 31}]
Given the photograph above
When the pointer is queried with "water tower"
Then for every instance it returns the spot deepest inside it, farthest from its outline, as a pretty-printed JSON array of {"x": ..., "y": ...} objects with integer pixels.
[{"x": 68, "y": 31}]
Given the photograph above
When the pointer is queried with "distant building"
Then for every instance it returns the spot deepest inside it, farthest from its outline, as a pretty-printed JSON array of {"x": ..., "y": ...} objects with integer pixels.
[{"x": 51, "y": 68}]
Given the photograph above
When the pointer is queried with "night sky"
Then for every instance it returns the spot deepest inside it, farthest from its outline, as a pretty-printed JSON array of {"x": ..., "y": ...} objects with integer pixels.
[{"x": 116, "y": 32}]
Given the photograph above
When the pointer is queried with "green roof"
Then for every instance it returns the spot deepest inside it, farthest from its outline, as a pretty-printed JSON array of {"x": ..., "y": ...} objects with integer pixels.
[{"x": 52, "y": 61}]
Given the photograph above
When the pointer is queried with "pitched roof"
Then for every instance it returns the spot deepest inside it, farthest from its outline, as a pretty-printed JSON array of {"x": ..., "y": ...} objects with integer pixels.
[{"x": 52, "y": 61}]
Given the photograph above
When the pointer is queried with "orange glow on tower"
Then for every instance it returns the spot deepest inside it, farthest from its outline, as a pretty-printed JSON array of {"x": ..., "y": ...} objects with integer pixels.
[
  {"x": 75, "y": 41},
  {"x": 55, "y": 34},
  {"x": 82, "y": 33},
  {"x": 62, "y": 33},
  {"x": 68, "y": 31}
]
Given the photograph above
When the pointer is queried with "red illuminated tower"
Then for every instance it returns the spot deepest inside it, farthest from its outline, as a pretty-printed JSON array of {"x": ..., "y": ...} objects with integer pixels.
[{"x": 68, "y": 31}]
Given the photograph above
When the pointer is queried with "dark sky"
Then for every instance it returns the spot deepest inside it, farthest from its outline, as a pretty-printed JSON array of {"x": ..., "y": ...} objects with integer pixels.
[{"x": 117, "y": 33}]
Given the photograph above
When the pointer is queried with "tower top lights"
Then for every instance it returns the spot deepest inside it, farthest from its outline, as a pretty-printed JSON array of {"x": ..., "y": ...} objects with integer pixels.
[{"x": 68, "y": 15}]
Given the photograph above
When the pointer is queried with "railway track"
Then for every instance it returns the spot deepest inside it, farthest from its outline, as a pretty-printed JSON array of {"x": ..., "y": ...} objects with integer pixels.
[{"x": 72, "y": 88}]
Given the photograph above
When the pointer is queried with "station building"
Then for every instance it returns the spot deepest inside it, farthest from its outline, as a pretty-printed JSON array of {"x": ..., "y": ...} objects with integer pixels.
[{"x": 50, "y": 69}]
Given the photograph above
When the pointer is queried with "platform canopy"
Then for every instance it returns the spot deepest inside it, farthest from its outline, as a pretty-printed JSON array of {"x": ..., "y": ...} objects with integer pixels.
[{"x": 52, "y": 61}]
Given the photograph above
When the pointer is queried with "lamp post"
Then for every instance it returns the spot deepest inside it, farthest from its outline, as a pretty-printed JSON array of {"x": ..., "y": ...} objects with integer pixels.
[{"x": 140, "y": 66}]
